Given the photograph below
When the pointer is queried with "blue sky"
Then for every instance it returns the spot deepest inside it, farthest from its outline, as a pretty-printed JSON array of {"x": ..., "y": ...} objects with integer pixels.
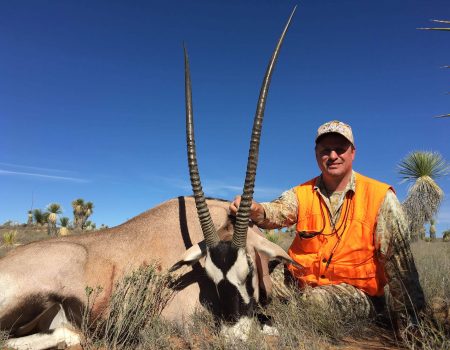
[{"x": 92, "y": 96}]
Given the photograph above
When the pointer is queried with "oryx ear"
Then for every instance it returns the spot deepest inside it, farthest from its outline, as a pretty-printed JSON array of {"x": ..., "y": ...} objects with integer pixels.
[
  {"x": 191, "y": 256},
  {"x": 274, "y": 252}
]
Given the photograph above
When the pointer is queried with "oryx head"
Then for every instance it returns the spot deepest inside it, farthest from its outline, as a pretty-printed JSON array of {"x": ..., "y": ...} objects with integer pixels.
[{"x": 230, "y": 263}]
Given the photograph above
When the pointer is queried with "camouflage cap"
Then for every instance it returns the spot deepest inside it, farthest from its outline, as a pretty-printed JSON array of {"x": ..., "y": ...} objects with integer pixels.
[{"x": 337, "y": 127}]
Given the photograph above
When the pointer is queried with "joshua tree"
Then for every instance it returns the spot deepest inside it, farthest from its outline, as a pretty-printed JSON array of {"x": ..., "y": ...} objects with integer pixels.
[
  {"x": 53, "y": 210},
  {"x": 77, "y": 206},
  {"x": 64, "y": 222},
  {"x": 81, "y": 212},
  {"x": 424, "y": 195},
  {"x": 88, "y": 210}
]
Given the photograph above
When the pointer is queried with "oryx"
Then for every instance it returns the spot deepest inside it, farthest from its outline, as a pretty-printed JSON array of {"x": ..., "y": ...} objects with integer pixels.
[{"x": 45, "y": 281}]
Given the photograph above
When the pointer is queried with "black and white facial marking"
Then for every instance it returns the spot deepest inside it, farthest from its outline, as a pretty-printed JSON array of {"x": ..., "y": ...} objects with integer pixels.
[{"x": 232, "y": 271}]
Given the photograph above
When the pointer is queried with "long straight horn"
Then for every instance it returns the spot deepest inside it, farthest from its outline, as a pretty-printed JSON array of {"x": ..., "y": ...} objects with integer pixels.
[
  {"x": 209, "y": 231},
  {"x": 243, "y": 214}
]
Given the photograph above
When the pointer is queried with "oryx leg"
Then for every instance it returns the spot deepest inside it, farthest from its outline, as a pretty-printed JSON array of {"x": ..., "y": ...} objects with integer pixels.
[{"x": 58, "y": 331}]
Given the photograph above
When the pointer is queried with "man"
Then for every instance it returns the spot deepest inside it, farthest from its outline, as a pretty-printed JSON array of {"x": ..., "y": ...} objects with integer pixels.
[{"x": 351, "y": 235}]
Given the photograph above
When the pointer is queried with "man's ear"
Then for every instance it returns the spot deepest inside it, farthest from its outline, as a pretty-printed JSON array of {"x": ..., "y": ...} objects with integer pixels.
[{"x": 190, "y": 256}]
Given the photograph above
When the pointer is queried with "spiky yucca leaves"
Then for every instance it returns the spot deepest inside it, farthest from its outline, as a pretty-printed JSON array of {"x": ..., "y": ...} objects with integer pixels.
[
  {"x": 89, "y": 225},
  {"x": 39, "y": 217},
  {"x": 88, "y": 209},
  {"x": 53, "y": 210},
  {"x": 441, "y": 29},
  {"x": 77, "y": 205},
  {"x": 9, "y": 238},
  {"x": 443, "y": 115},
  {"x": 424, "y": 196},
  {"x": 64, "y": 222},
  {"x": 437, "y": 28},
  {"x": 81, "y": 212}
]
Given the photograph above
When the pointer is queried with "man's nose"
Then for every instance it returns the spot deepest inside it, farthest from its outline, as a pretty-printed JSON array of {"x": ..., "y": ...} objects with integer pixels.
[{"x": 333, "y": 154}]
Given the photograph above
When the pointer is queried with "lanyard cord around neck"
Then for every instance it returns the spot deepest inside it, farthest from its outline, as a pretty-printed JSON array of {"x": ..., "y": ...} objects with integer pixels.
[{"x": 336, "y": 231}]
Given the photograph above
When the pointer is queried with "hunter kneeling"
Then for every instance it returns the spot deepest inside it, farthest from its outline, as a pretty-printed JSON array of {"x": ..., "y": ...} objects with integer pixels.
[{"x": 351, "y": 237}]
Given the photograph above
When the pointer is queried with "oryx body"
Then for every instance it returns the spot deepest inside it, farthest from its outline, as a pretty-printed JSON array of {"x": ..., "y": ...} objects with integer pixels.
[
  {"x": 44, "y": 281},
  {"x": 39, "y": 275}
]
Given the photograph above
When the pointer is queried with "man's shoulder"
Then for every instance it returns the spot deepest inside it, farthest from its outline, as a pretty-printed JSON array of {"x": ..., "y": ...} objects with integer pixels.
[
  {"x": 362, "y": 178},
  {"x": 311, "y": 182},
  {"x": 370, "y": 182}
]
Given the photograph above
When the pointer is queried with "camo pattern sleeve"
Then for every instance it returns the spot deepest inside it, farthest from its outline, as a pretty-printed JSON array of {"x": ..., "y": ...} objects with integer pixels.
[
  {"x": 405, "y": 295},
  {"x": 281, "y": 212}
]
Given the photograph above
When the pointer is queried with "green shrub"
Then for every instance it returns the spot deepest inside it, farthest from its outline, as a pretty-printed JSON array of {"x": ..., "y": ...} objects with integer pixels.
[
  {"x": 9, "y": 238},
  {"x": 446, "y": 236}
]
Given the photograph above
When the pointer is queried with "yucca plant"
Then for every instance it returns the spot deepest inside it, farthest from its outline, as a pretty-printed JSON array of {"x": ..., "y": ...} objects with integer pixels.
[
  {"x": 432, "y": 229},
  {"x": 422, "y": 232},
  {"x": 81, "y": 212},
  {"x": 78, "y": 208},
  {"x": 53, "y": 210},
  {"x": 39, "y": 217},
  {"x": 424, "y": 196},
  {"x": 89, "y": 225},
  {"x": 440, "y": 29},
  {"x": 30, "y": 218},
  {"x": 87, "y": 211},
  {"x": 9, "y": 238},
  {"x": 446, "y": 236},
  {"x": 64, "y": 222}
]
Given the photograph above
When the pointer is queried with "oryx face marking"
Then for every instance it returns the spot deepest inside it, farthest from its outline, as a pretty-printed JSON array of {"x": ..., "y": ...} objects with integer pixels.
[
  {"x": 232, "y": 272},
  {"x": 227, "y": 263}
]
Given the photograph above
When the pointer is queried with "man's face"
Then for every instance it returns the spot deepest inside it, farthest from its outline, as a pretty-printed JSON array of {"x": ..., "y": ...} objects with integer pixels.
[{"x": 334, "y": 155}]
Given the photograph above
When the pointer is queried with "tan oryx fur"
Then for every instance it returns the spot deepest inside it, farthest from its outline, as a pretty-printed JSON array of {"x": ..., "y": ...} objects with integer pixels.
[
  {"x": 37, "y": 276},
  {"x": 43, "y": 284}
]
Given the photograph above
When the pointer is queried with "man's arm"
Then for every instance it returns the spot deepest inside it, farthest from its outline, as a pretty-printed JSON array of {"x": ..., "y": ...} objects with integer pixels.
[
  {"x": 406, "y": 298},
  {"x": 281, "y": 212}
]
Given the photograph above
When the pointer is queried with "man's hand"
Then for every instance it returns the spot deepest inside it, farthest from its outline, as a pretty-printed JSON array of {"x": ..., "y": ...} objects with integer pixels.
[{"x": 257, "y": 213}]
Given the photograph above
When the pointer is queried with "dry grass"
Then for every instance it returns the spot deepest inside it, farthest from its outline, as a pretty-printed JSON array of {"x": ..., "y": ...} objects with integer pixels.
[
  {"x": 433, "y": 262},
  {"x": 27, "y": 234},
  {"x": 301, "y": 325},
  {"x": 135, "y": 305},
  {"x": 133, "y": 320}
]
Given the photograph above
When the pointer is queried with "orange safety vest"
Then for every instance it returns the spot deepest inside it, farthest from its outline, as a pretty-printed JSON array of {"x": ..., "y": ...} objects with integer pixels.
[{"x": 353, "y": 261}]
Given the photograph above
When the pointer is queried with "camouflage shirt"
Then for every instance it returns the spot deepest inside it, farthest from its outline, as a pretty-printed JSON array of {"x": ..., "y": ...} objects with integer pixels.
[{"x": 391, "y": 238}]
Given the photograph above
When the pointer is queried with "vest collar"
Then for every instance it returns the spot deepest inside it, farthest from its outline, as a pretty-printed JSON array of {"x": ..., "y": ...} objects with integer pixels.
[{"x": 320, "y": 186}]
